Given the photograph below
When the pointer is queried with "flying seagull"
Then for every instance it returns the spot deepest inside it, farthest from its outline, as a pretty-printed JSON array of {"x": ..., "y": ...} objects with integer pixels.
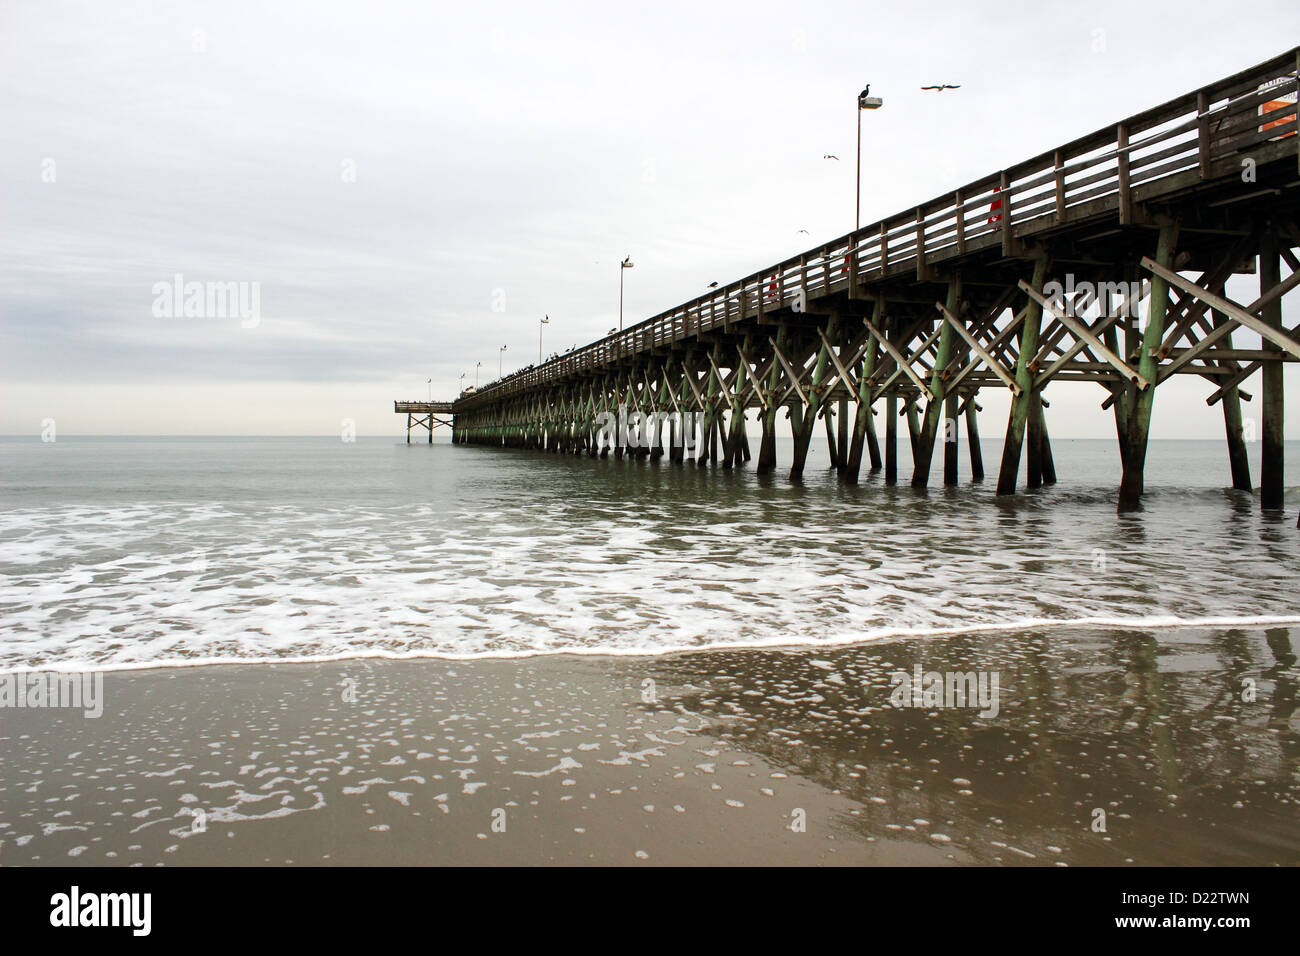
[
  {"x": 943, "y": 86},
  {"x": 829, "y": 156},
  {"x": 804, "y": 231}
]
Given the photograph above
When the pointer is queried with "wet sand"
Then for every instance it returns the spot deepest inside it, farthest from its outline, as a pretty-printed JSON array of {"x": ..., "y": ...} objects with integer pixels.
[{"x": 710, "y": 757}]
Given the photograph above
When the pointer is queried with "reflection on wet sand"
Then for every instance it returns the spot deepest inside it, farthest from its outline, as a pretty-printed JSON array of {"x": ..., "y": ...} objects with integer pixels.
[{"x": 1185, "y": 739}]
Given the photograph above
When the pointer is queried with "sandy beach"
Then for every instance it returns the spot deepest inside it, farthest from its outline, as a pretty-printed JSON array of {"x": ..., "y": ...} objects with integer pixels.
[{"x": 718, "y": 757}]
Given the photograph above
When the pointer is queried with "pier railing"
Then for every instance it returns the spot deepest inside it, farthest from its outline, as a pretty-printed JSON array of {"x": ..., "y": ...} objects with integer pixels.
[
  {"x": 422, "y": 406},
  {"x": 1162, "y": 149}
]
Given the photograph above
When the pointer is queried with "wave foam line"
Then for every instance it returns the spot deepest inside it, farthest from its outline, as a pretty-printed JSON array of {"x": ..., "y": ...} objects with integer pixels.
[{"x": 876, "y": 635}]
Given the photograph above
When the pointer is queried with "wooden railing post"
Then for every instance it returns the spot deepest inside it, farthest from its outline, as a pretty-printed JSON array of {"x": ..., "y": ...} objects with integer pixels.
[
  {"x": 1004, "y": 188},
  {"x": 961, "y": 223},
  {"x": 1125, "y": 200},
  {"x": 1203, "y": 133},
  {"x": 1059, "y": 166},
  {"x": 853, "y": 266},
  {"x": 920, "y": 245}
]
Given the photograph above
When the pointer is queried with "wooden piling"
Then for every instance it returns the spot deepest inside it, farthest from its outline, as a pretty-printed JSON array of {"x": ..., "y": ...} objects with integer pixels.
[
  {"x": 803, "y": 419},
  {"x": 864, "y": 428},
  {"x": 1139, "y": 421},
  {"x": 1234, "y": 432},
  {"x": 1034, "y": 443},
  {"x": 923, "y": 445},
  {"x": 973, "y": 441},
  {"x": 832, "y": 448},
  {"x": 1271, "y": 464},
  {"x": 913, "y": 428},
  {"x": 842, "y": 441},
  {"x": 1046, "y": 462},
  {"x": 1025, "y": 382},
  {"x": 767, "y": 443},
  {"x": 891, "y": 438},
  {"x": 950, "y": 448}
]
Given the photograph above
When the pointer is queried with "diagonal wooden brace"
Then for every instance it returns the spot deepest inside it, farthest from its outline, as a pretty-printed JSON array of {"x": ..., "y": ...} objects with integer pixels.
[
  {"x": 978, "y": 349},
  {"x": 902, "y": 363},
  {"x": 1235, "y": 313},
  {"x": 794, "y": 379},
  {"x": 840, "y": 370},
  {"x": 753, "y": 378},
  {"x": 1081, "y": 332}
]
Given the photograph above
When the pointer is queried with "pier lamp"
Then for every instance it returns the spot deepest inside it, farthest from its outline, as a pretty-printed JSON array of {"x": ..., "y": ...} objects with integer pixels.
[
  {"x": 460, "y": 384},
  {"x": 546, "y": 320},
  {"x": 865, "y": 102},
  {"x": 430, "y": 381},
  {"x": 477, "y": 366},
  {"x": 501, "y": 353},
  {"x": 625, "y": 264}
]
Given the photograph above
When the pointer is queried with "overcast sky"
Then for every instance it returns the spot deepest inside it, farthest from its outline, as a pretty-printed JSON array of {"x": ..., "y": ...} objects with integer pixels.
[{"x": 389, "y": 171}]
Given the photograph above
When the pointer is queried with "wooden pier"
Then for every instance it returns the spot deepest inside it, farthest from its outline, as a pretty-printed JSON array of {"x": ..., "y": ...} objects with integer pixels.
[
  {"x": 423, "y": 415},
  {"x": 1022, "y": 279}
]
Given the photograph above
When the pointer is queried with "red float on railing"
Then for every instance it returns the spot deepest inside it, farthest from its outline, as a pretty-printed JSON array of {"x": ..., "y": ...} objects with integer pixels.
[{"x": 995, "y": 204}]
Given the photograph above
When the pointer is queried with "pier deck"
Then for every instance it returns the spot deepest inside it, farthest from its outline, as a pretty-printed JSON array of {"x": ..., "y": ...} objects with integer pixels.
[{"x": 423, "y": 415}]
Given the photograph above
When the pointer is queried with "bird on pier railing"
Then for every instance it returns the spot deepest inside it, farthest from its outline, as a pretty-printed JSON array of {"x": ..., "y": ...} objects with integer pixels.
[
  {"x": 713, "y": 285},
  {"x": 943, "y": 86}
]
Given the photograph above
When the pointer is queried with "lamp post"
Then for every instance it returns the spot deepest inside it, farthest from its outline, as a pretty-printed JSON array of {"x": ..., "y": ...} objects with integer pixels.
[
  {"x": 430, "y": 381},
  {"x": 546, "y": 320},
  {"x": 501, "y": 352},
  {"x": 625, "y": 264},
  {"x": 865, "y": 102},
  {"x": 460, "y": 384},
  {"x": 477, "y": 366}
]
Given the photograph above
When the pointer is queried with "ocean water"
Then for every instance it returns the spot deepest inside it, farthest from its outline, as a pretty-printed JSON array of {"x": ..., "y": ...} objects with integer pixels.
[{"x": 125, "y": 553}]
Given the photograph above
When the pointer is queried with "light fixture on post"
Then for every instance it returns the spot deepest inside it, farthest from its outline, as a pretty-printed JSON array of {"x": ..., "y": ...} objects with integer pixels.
[
  {"x": 865, "y": 102},
  {"x": 501, "y": 352},
  {"x": 546, "y": 320}
]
